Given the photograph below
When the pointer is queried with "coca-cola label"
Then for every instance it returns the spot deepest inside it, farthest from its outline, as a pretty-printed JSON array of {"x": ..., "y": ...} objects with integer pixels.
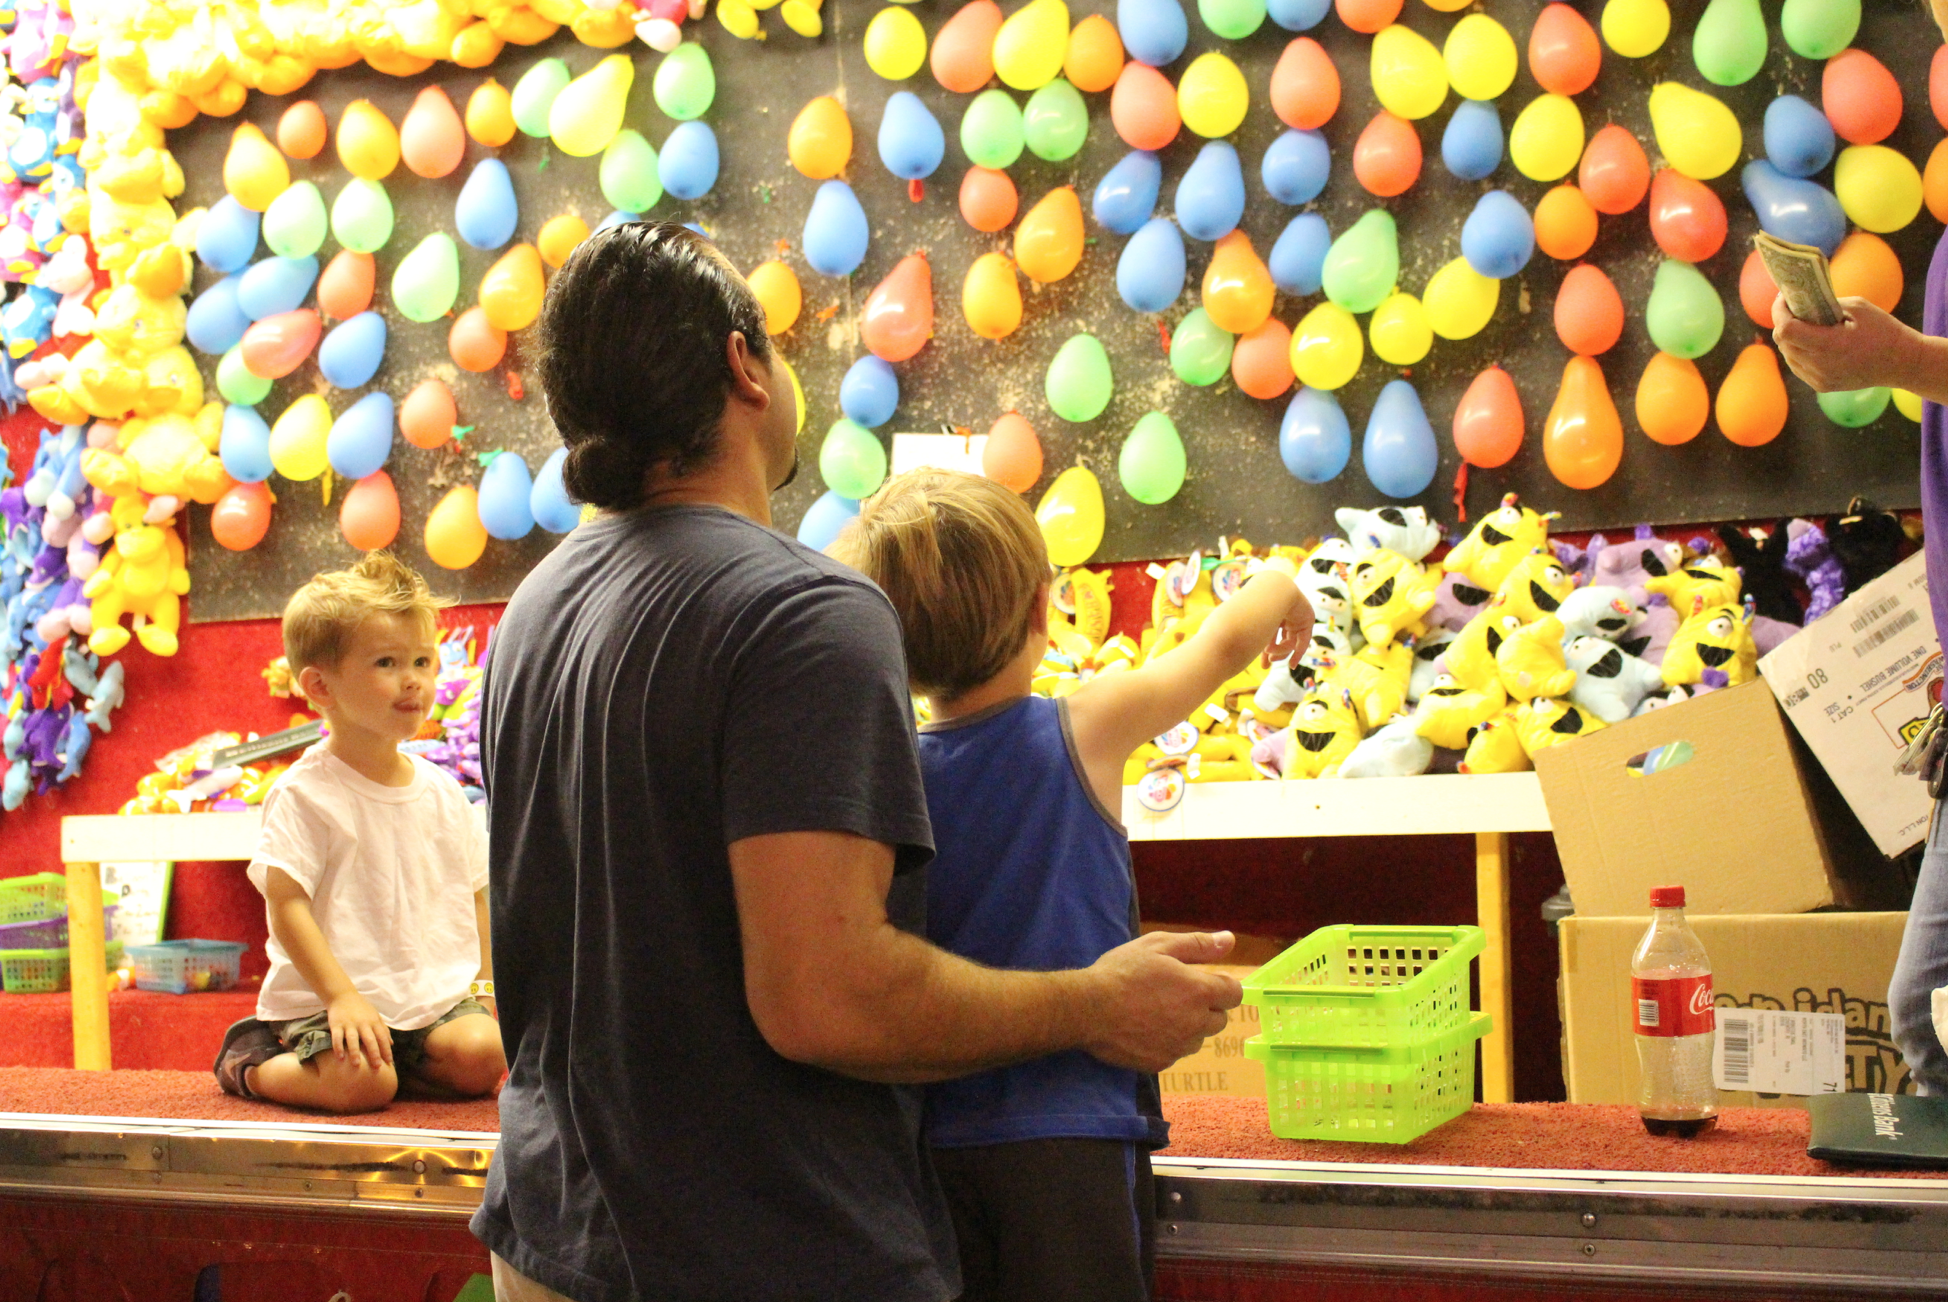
[{"x": 1673, "y": 1006}]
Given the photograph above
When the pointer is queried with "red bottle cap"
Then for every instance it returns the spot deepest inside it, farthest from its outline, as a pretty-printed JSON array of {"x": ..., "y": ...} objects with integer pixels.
[{"x": 1667, "y": 897}]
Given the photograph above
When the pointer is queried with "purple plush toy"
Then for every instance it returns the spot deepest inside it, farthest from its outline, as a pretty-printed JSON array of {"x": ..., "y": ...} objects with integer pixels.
[{"x": 1810, "y": 557}]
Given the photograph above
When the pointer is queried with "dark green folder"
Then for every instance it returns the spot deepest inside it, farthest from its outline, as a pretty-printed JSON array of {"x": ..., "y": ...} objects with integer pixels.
[{"x": 1879, "y": 1129}]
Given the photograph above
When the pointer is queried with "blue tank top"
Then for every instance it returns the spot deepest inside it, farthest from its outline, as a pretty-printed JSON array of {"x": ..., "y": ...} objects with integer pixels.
[{"x": 1029, "y": 872}]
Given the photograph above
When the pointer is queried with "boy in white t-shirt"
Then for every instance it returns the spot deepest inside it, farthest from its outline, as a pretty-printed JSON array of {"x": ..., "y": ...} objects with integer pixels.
[{"x": 374, "y": 874}]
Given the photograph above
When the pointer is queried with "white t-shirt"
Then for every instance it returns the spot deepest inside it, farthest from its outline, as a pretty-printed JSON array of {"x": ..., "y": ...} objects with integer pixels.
[{"x": 391, "y": 872}]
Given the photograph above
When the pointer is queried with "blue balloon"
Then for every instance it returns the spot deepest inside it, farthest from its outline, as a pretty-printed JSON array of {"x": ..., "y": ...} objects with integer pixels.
[
  {"x": 1127, "y": 195},
  {"x": 1153, "y": 31},
  {"x": 1498, "y": 239},
  {"x": 1150, "y": 273},
  {"x": 486, "y": 213},
  {"x": 1314, "y": 440},
  {"x": 688, "y": 163},
  {"x": 870, "y": 392},
  {"x": 215, "y": 323},
  {"x": 1296, "y": 166},
  {"x": 824, "y": 519},
  {"x": 1298, "y": 258},
  {"x": 836, "y": 232},
  {"x": 1471, "y": 147},
  {"x": 228, "y": 236},
  {"x": 276, "y": 285},
  {"x": 554, "y": 510},
  {"x": 1297, "y": 15},
  {"x": 617, "y": 217},
  {"x": 1803, "y": 212},
  {"x": 911, "y": 143},
  {"x": 1211, "y": 195},
  {"x": 245, "y": 445},
  {"x": 1399, "y": 451},
  {"x": 361, "y": 438},
  {"x": 506, "y": 491},
  {"x": 351, "y": 353},
  {"x": 1798, "y": 137}
]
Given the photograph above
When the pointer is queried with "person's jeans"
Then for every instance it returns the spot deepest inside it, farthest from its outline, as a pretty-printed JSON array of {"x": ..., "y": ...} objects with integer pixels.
[{"x": 1923, "y": 968}]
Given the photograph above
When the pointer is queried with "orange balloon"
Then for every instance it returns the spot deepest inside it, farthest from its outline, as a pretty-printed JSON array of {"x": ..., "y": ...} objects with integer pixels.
[
  {"x": 277, "y": 345},
  {"x": 1488, "y": 423},
  {"x": 1564, "y": 52},
  {"x": 428, "y": 415},
  {"x": 1861, "y": 98},
  {"x": 1756, "y": 290},
  {"x": 1238, "y": 289},
  {"x": 1865, "y": 266},
  {"x": 1565, "y": 224},
  {"x": 1589, "y": 312},
  {"x": 1367, "y": 16},
  {"x": 990, "y": 298},
  {"x": 1261, "y": 360},
  {"x": 1305, "y": 85},
  {"x": 345, "y": 288},
  {"x": 369, "y": 517},
  {"x": 1048, "y": 243},
  {"x": 988, "y": 199},
  {"x": 431, "y": 139},
  {"x": 490, "y": 114},
  {"x": 1095, "y": 56},
  {"x": 1687, "y": 218},
  {"x": 1387, "y": 158},
  {"x": 511, "y": 290},
  {"x": 1934, "y": 182},
  {"x": 475, "y": 343},
  {"x": 1672, "y": 401},
  {"x": 242, "y": 516},
  {"x": 1752, "y": 402},
  {"x": 962, "y": 58},
  {"x": 1615, "y": 174},
  {"x": 898, "y": 316},
  {"x": 1582, "y": 442},
  {"x": 1012, "y": 456},
  {"x": 1143, "y": 107},
  {"x": 301, "y": 132}
]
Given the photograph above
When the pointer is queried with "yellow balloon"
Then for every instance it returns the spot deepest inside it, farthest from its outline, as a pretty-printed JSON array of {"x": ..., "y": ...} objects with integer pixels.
[
  {"x": 587, "y": 114},
  {"x": 1211, "y": 97},
  {"x": 1546, "y": 141},
  {"x": 1399, "y": 329},
  {"x": 1635, "y": 28},
  {"x": 1698, "y": 135},
  {"x": 779, "y": 294},
  {"x": 797, "y": 390},
  {"x": 1448, "y": 6},
  {"x": 1879, "y": 189},
  {"x": 1408, "y": 75},
  {"x": 1908, "y": 404},
  {"x": 1460, "y": 300},
  {"x": 1071, "y": 516},
  {"x": 990, "y": 297},
  {"x": 298, "y": 439},
  {"x": 1480, "y": 57},
  {"x": 738, "y": 18},
  {"x": 455, "y": 538},
  {"x": 1327, "y": 348},
  {"x": 254, "y": 172},
  {"x": 1030, "y": 47},
  {"x": 896, "y": 44}
]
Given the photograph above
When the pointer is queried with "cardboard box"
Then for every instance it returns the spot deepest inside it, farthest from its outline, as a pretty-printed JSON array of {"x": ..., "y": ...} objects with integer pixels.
[
  {"x": 1220, "y": 1067},
  {"x": 1811, "y": 963},
  {"x": 1857, "y": 684},
  {"x": 1735, "y": 825}
]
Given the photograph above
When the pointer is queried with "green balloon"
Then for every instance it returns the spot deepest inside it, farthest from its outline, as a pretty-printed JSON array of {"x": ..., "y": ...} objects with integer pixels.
[
  {"x": 1729, "y": 43},
  {"x": 294, "y": 224},
  {"x": 1232, "y": 19},
  {"x": 428, "y": 279},
  {"x": 237, "y": 384},
  {"x": 361, "y": 216},
  {"x": 1854, "y": 408},
  {"x": 1056, "y": 121},
  {"x": 1685, "y": 316},
  {"x": 1200, "y": 349},
  {"x": 1819, "y": 29},
  {"x": 991, "y": 131},
  {"x": 1152, "y": 462},
  {"x": 534, "y": 94},
  {"x": 685, "y": 82},
  {"x": 1079, "y": 382},
  {"x": 852, "y": 462},
  {"x": 630, "y": 181},
  {"x": 1363, "y": 263}
]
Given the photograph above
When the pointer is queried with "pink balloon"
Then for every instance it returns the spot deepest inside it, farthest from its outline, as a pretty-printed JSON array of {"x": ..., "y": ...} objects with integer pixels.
[{"x": 278, "y": 345}]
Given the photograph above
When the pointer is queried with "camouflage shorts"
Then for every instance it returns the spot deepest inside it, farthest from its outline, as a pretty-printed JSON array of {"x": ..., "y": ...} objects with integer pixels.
[{"x": 307, "y": 1037}]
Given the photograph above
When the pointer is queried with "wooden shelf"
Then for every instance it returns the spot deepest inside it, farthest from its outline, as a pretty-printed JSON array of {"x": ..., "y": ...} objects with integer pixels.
[
  {"x": 1425, "y": 806},
  {"x": 112, "y": 838}
]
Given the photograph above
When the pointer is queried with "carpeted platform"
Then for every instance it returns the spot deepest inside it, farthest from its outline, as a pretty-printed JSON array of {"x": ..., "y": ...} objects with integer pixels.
[
  {"x": 194, "y": 1095},
  {"x": 146, "y": 1029}
]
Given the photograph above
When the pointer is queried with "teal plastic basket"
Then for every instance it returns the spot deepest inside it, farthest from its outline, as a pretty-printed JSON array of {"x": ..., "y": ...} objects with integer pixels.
[
  {"x": 1375, "y": 987},
  {"x": 178, "y": 967},
  {"x": 1387, "y": 1094}
]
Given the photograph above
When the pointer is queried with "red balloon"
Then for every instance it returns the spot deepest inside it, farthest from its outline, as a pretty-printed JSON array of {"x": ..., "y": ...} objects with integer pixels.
[
  {"x": 898, "y": 319},
  {"x": 1687, "y": 218},
  {"x": 1488, "y": 423},
  {"x": 1013, "y": 455},
  {"x": 369, "y": 518},
  {"x": 474, "y": 342},
  {"x": 1564, "y": 53},
  {"x": 1387, "y": 158},
  {"x": 1938, "y": 86},
  {"x": 1589, "y": 312},
  {"x": 1261, "y": 360},
  {"x": 1861, "y": 98},
  {"x": 241, "y": 517},
  {"x": 1615, "y": 173},
  {"x": 278, "y": 345}
]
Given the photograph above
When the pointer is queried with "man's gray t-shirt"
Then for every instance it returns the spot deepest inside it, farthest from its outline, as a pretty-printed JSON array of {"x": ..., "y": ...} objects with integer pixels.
[{"x": 667, "y": 682}]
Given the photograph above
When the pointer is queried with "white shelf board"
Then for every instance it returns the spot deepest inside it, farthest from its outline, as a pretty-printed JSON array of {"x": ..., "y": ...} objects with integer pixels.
[
  {"x": 110, "y": 838},
  {"x": 1424, "y": 806}
]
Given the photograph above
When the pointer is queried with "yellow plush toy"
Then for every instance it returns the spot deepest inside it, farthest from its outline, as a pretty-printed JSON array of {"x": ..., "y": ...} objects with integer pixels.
[
  {"x": 1706, "y": 581},
  {"x": 1545, "y": 723},
  {"x": 1391, "y": 595},
  {"x": 1082, "y": 597},
  {"x": 1378, "y": 690},
  {"x": 1471, "y": 656},
  {"x": 1531, "y": 661},
  {"x": 1324, "y": 730},
  {"x": 1498, "y": 543},
  {"x": 1716, "y": 637},
  {"x": 1535, "y": 587},
  {"x": 1448, "y": 712},
  {"x": 1496, "y": 747},
  {"x": 143, "y": 576}
]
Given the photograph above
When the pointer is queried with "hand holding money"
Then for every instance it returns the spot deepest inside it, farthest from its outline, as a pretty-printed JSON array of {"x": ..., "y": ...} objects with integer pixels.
[
  {"x": 1867, "y": 349},
  {"x": 1804, "y": 280}
]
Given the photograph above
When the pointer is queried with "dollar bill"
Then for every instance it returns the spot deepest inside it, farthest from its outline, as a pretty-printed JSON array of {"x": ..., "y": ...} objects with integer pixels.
[{"x": 1800, "y": 272}]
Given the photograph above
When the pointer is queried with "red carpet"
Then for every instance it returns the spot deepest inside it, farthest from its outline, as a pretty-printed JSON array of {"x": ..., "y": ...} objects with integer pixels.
[
  {"x": 145, "y": 1029},
  {"x": 194, "y": 1095}
]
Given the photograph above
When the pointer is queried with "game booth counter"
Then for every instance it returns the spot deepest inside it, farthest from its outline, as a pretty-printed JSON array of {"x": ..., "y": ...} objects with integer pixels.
[{"x": 272, "y": 272}]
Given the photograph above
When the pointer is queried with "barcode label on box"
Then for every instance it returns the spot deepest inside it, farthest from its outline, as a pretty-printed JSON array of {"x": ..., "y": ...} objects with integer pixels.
[
  {"x": 1907, "y": 619},
  {"x": 1874, "y": 612},
  {"x": 1772, "y": 1052}
]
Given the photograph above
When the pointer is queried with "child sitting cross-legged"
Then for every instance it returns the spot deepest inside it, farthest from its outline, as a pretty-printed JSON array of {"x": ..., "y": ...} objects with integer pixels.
[
  {"x": 1046, "y": 1164},
  {"x": 374, "y": 874}
]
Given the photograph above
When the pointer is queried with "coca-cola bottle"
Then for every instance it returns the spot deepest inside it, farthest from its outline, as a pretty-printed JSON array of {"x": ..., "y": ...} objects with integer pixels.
[{"x": 1670, "y": 980}]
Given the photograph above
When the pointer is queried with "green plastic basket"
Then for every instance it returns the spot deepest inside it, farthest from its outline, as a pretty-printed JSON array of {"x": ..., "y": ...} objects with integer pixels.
[
  {"x": 1373, "y": 1095},
  {"x": 1370, "y": 986},
  {"x": 41, "y": 971},
  {"x": 37, "y": 896}
]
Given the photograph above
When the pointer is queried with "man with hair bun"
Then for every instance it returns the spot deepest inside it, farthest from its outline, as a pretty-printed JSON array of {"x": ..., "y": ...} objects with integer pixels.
[{"x": 708, "y": 839}]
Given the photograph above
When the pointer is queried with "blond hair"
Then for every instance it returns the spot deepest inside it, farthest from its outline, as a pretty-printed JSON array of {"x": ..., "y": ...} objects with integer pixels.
[
  {"x": 963, "y": 562},
  {"x": 321, "y": 616}
]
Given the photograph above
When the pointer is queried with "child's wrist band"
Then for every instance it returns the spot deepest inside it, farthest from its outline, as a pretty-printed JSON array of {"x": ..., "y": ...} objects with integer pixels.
[{"x": 479, "y": 988}]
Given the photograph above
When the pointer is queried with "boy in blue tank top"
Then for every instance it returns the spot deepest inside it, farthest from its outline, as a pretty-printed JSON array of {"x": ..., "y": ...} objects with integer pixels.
[{"x": 1046, "y": 1164}]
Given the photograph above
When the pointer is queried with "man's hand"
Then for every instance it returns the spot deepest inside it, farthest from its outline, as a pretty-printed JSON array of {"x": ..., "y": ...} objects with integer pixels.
[
  {"x": 1155, "y": 1008},
  {"x": 1871, "y": 348},
  {"x": 357, "y": 1030}
]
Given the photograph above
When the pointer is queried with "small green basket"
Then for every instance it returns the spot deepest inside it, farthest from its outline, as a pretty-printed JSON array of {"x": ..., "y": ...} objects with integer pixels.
[
  {"x": 1377, "y": 987},
  {"x": 1388, "y": 1094},
  {"x": 42, "y": 971},
  {"x": 37, "y": 896}
]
